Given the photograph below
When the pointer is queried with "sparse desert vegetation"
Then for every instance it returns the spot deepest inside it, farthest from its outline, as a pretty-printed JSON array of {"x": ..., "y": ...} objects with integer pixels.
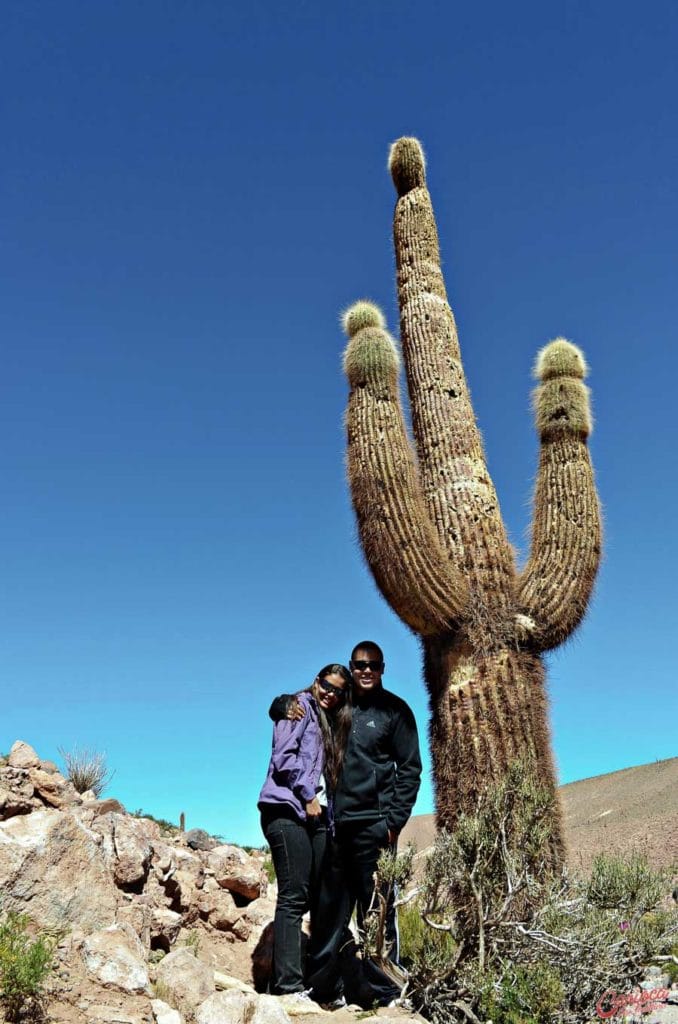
[
  {"x": 87, "y": 769},
  {"x": 25, "y": 965},
  {"x": 491, "y": 936}
]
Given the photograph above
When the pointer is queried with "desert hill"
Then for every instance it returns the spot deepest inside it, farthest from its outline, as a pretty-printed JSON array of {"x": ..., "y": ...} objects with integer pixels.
[{"x": 635, "y": 808}]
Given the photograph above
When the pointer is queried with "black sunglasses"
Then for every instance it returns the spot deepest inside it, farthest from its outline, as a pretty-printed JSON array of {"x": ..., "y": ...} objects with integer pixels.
[
  {"x": 376, "y": 666},
  {"x": 336, "y": 691}
]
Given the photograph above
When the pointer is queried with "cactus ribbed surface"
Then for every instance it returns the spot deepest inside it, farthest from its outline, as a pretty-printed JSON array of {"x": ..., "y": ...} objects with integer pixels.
[{"x": 430, "y": 524}]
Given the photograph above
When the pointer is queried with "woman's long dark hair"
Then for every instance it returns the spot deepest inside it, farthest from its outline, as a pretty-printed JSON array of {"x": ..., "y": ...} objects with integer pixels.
[{"x": 335, "y": 726}]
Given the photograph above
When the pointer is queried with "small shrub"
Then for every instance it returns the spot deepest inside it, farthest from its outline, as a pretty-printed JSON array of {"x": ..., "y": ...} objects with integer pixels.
[
  {"x": 393, "y": 872},
  {"x": 423, "y": 950},
  {"x": 269, "y": 868},
  {"x": 87, "y": 769},
  {"x": 25, "y": 965},
  {"x": 413, "y": 931},
  {"x": 628, "y": 884},
  {"x": 192, "y": 941},
  {"x": 524, "y": 995}
]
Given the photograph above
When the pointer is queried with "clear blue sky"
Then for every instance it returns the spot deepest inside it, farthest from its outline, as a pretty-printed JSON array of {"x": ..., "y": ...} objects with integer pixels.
[{"x": 191, "y": 193}]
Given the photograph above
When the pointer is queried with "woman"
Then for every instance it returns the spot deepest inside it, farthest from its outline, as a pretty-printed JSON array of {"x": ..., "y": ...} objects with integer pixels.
[{"x": 304, "y": 767}]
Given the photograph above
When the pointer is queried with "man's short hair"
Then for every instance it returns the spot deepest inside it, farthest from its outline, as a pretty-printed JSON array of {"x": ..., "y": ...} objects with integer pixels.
[{"x": 368, "y": 645}]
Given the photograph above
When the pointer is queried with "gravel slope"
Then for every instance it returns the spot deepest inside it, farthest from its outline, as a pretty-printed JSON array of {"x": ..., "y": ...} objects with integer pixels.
[{"x": 635, "y": 808}]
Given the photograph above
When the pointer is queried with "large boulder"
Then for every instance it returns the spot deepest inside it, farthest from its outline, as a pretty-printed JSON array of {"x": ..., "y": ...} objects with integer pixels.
[
  {"x": 233, "y": 1006},
  {"x": 259, "y": 912},
  {"x": 115, "y": 958},
  {"x": 184, "y": 894},
  {"x": 236, "y": 1007},
  {"x": 223, "y": 912},
  {"x": 189, "y": 861},
  {"x": 270, "y": 1011},
  {"x": 22, "y": 756},
  {"x": 52, "y": 788},
  {"x": 51, "y": 867},
  {"x": 127, "y": 847},
  {"x": 236, "y": 871},
  {"x": 165, "y": 927},
  {"x": 164, "y": 861},
  {"x": 184, "y": 981},
  {"x": 198, "y": 839},
  {"x": 12, "y": 803},
  {"x": 132, "y": 851},
  {"x": 137, "y": 913},
  {"x": 16, "y": 792},
  {"x": 106, "y": 805}
]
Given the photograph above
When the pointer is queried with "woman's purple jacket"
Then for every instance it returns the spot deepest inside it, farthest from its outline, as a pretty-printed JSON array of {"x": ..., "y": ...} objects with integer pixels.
[{"x": 296, "y": 761}]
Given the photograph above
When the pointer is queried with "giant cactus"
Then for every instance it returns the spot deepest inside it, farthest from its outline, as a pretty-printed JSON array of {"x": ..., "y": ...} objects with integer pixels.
[{"x": 430, "y": 524}]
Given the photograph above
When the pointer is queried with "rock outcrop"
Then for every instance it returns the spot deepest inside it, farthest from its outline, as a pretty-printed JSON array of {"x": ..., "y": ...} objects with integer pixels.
[
  {"x": 141, "y": 912},
  {"x": 154, "y": 927}
]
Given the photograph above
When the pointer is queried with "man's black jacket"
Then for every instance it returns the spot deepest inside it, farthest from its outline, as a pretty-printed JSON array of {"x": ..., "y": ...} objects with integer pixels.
[{"x": 382, "y": 766}]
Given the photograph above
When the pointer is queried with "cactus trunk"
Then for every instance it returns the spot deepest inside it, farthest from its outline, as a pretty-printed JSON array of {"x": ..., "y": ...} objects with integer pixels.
[
  {"x": 486, "y": 712},
  {"x": 431, "y": 529}
]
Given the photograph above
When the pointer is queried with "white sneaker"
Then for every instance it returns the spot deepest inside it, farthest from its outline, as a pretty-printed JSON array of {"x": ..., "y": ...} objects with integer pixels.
[
  {"x": 403, "y": 1001},
  {"x": 335, "y": 1004},
  {"x": 298, "y": 998}
]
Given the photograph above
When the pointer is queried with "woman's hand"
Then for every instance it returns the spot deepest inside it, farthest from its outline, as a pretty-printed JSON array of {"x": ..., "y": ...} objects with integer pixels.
[
  {"x": 295, "y": 712},
  {"x": 313, "y": 808}
]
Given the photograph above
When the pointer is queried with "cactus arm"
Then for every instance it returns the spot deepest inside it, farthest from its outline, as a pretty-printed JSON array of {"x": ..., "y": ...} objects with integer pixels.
[
  {"x": 457, "y": 487},
  {"x": 556, "y": 584},
  {"x": 399, "y": 543}
]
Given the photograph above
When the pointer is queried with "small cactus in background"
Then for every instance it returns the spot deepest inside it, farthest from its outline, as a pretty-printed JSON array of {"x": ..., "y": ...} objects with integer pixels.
[{"x": 430, "y": 525}]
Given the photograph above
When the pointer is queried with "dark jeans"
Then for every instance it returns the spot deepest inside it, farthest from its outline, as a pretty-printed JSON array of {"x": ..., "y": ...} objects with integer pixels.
[
  {"x": 347, "y": 882},
  {"x": 361, "y": 844},
  {"x": 297, "y": 851},
  {"x": 329, "y": 931}
]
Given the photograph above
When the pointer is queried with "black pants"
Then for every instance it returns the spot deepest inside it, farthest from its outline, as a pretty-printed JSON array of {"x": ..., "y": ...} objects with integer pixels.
[
  {"x": 297, "y": 851},
  {"x": 348, "y": 882},
  {"x": 361, "y": 844},
  {"x": 328, "y": 927}
]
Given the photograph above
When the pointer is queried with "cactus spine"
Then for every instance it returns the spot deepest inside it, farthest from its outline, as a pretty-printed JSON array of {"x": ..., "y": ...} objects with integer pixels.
[{"x": 430, "y": 524}]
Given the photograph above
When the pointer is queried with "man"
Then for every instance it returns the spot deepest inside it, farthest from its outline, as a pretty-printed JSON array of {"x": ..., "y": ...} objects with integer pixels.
[
  {"x": 373, "y": 801},
  {"x": 379, "y": 782}
]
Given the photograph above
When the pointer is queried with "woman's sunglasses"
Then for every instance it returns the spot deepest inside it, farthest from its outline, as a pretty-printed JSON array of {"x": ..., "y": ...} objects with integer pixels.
[{"x": 336, "y": 691}]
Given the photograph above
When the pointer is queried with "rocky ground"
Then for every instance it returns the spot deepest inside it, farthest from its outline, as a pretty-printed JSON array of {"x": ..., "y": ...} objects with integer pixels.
[{"x": 153, "y": 927}]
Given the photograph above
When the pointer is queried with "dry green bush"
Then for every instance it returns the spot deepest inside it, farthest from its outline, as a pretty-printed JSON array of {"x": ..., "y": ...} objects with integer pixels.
[
  {"x": 25, "y": 965},
  {"x": 87, "y": 769},
  {"x": 492, "y": 935}
]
